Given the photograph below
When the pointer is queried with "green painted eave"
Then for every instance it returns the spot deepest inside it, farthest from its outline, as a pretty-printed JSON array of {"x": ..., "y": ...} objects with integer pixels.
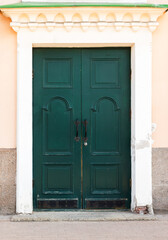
[{"x": 80, "y": 4}]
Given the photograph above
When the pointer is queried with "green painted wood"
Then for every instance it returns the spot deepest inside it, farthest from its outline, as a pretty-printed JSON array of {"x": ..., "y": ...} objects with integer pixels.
[
  {"x": 83, "y": 84},
  {"x": 80, "y": 4},
  {"x": 56, "y": 105},
  {"x": 106, "y": 106}
]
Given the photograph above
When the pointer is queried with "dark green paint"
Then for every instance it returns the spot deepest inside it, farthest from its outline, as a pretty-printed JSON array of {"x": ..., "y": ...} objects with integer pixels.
[
  {"x": 84, "y": 84},
  {"x": 57, "y": 103},
  {"x": 80, "y": 4},
  {"x": 106, "y": 106}
]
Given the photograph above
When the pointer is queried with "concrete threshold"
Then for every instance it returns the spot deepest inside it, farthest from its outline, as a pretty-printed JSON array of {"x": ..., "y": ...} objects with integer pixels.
[
  {"x": 82, "y": 216},
  {"x": 5, "y": 218}
]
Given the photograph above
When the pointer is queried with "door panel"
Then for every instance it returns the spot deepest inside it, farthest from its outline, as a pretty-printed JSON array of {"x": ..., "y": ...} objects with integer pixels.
[
  {"x": 71, "y": 86},
  {"x": 103, "y": 128},
  {"x": 106, "y": 107},
  {"x": 57, "y": 127},
  {"x": 57, "y": 104}
]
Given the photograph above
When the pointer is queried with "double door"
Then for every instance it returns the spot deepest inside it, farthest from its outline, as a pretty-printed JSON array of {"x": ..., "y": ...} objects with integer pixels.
[{"x": 81, "y": 128}]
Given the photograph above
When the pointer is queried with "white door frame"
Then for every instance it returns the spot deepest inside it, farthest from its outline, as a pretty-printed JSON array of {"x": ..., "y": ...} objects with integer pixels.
[{"x": 87, "y": 27}]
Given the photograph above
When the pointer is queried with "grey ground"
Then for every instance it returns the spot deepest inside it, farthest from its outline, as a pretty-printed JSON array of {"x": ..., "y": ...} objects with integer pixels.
[{"x": 45, "y": 228}]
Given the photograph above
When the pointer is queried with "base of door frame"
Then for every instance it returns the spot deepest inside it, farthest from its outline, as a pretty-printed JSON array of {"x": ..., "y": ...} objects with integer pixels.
[{"x": 64, "y": 204}]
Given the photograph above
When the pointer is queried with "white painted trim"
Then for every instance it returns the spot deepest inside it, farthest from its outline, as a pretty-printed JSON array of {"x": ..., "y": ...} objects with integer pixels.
[
  {"x": 24, "y": 127},
  {"x": 141, "y": 63},
  {"x": 84, "y": 17}
]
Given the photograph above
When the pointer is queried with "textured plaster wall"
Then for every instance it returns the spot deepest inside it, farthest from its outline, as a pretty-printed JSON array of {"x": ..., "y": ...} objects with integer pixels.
[
  {"x": 7, "y": 180},
  {"x": 8, "y": 84},
  {"x": 160, "y": 178}
]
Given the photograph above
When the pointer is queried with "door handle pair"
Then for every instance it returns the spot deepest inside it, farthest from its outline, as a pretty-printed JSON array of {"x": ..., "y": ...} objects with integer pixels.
[{"x": 77, "y": 138}]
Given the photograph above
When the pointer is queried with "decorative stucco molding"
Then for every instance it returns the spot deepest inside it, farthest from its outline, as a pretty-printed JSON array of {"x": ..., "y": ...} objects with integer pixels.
[{"x": 68, "y": 18}]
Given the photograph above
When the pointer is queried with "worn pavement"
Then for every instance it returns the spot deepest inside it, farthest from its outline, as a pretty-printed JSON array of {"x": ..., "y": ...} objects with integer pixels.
[{"x": 156, "y": 229}]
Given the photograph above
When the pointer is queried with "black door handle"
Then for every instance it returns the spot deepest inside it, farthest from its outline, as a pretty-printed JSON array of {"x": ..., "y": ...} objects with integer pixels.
[
  {"x": 85, "y": 122},
  {"x": 77, "y": 138}
]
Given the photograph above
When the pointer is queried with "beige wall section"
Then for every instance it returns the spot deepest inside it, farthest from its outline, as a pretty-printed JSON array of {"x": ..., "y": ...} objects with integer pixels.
[
  {"x": 160, "y": 80},
  {"x": 158, "y": 1},
  {"x": 160, "y": 83},
  {"x": 4, "y": 2},
  {"x": 8, "y": 84}
]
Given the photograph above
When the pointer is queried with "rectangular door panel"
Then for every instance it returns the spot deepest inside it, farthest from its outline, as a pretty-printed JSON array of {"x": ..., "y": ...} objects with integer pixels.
[
  {"x": 105, "y": 179},
  {"x": 58, "y": 179},
  {"x": 62, "y": 78},
  {"x": 100, "y": 126},
  {"x": 57, "y": 127},
  {"x": 105, "y": 73}
]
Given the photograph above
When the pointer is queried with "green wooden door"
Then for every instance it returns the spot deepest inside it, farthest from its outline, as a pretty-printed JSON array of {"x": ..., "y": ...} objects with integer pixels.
[
  {"x": 106, "y": 106},
  {"x": 57, "y": 105},
  {"x": 81, "y": 128}
]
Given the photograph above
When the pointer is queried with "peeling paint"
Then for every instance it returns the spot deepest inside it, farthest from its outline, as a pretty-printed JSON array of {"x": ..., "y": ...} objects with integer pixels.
[
  {"x": 154, "y": 126},
  {"x": 150, "y": 209},
  {"x": 134, "y": 204},
  {"x": 141, "y": 144},
  {"x": 141, "y": 210}
]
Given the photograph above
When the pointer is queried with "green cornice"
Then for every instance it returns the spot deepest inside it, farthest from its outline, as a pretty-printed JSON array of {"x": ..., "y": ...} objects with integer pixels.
[{"x": 80, "y": 4}]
